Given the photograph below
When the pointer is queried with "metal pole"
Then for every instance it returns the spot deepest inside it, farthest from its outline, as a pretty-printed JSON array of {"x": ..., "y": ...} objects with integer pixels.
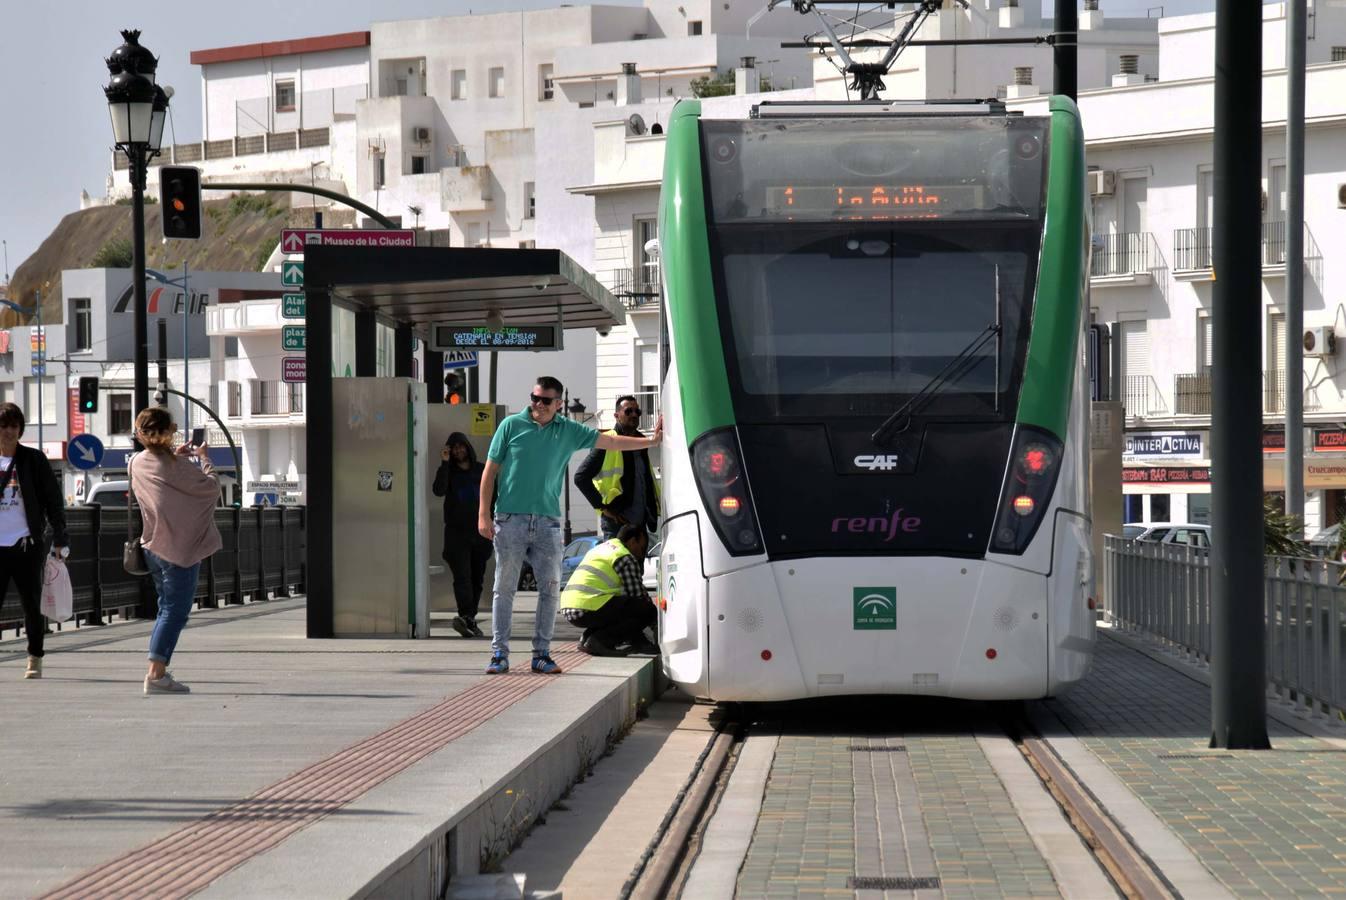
[
  {"x": 186, "y": 377},
  {"x": 162, "y": 386},
  {"x": 141, "y": 394},
  {"x": 1294, "y": 261},
  {"x": 1064, "y": 51},
  {"x": 1238, "y": 621}
]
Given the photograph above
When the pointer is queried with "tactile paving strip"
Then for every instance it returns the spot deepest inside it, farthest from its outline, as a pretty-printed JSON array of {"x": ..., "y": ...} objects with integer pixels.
[{"x": 189, "y": 859}]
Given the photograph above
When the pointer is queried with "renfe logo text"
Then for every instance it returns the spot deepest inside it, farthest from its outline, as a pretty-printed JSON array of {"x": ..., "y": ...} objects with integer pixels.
[{"x": 889, "y": 526}]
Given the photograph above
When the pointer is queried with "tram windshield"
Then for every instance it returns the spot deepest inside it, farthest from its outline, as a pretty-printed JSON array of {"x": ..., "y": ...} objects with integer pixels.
[{"x": 842, "y": 298}]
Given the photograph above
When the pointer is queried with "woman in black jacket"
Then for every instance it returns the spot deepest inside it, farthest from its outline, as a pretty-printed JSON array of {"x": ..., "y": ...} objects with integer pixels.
[
  {"x": 29, "y": 499},
  {"x": 458, "y": 481}
]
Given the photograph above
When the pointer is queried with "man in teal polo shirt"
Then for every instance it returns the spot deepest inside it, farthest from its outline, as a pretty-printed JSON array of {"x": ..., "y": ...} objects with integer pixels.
[{"x": 528, "y": 455}]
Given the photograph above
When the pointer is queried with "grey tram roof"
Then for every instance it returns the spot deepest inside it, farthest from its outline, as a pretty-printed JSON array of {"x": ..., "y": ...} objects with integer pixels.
[{"x": 421, "y": 286}]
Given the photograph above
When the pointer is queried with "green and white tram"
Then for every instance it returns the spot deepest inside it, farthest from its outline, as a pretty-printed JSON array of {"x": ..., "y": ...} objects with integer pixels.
[{"x": 876, "y": 413}]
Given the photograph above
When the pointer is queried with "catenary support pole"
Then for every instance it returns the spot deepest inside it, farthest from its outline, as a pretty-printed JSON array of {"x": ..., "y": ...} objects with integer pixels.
[
  {"x": 1294, "y": 260},
  {"x": 1238, "y": 624},
  {"x": 1064, "y": 51}
]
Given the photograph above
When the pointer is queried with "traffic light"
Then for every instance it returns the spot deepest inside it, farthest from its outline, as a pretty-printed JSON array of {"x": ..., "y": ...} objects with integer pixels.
[
  {"x": 88, "y": 394},
  {"x": 454, "y": 387},
  {"x": 180, "y": 196}
]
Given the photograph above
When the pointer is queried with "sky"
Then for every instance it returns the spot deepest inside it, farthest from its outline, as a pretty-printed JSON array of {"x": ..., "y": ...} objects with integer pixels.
[{"x": 55, "y": 52}]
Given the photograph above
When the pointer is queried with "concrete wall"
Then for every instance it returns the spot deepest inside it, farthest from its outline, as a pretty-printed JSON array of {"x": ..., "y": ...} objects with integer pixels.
[{"x": 238, "y": 98}]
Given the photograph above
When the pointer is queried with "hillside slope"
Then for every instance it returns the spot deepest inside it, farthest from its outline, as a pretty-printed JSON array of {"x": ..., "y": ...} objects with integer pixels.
[{"x": 237, "y": 234}]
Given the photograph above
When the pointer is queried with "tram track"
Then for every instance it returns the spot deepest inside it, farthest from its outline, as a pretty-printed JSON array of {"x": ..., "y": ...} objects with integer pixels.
[{"x": 664, "y": 866}]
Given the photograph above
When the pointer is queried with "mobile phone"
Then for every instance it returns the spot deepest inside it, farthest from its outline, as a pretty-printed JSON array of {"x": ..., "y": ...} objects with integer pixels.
[{"x": 198, "y": 436}]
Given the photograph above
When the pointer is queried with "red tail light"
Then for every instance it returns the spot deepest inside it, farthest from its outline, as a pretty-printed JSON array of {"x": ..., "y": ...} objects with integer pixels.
[
  {"x": 1035, "y": 463},
  {"x": 724, "y": 491}
]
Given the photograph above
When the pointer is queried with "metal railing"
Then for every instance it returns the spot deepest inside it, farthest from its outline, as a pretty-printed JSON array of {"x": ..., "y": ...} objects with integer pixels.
[
  {"x": 263, "y": 553},
  {"x": 1141, "y": 397},
  {"x": 1191, "y": 394},
  {"x": 1273, "y": 393},
  {"x": 1128, "y": 253},
  {"x": 636, "y": 290},
  {"x": 1164, "y": 591},
  {"x": 1192, "y": 249},
  {"x": 244, "y": 145}
]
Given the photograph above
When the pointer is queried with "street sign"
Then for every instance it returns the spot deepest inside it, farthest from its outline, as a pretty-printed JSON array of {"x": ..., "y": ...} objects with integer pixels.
[
  {"x": 293, "y": 306},
  {"x": 271, "y": 487},
  {"x": 510, "y": 337},
  {"x": 292, "y": 273},
  {"x": 294, "y": 240},
  {"x": 292, "y": 337},
  {"x": 84, "y": 451},
  {"x": 459, "y": 359},
  {"x": 293, "y": 369}
]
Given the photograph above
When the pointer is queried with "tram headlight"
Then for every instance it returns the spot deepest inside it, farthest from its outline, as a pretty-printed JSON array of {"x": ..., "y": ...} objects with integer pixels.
[
  {"x": 719, "y": 479},
  {"x": 1035, "y": 463}
]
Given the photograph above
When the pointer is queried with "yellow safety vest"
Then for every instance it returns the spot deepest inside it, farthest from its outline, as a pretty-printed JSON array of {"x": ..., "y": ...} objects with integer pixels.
[
  {"x": 595, "y": 581},
  {"x": 608, "y": 481}
]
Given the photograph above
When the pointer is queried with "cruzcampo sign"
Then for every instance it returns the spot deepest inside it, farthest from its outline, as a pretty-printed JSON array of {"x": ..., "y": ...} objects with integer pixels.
[{"x": 875, "y": 608}]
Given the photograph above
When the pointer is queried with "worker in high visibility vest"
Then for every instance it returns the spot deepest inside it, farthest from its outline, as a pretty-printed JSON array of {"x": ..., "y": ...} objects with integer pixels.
[
  {"x": 606, "y": 598},
  {"x": 621, "y": 484}
]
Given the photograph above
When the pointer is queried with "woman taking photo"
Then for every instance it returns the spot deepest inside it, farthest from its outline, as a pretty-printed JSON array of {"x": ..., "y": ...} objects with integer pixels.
[
  {"x": 177, "y": 493},
  {"x": 29, "y": 499}
]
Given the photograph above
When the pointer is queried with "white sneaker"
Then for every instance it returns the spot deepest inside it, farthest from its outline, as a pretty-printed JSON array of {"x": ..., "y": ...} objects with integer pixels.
[
  {"x": 166, "y": 685},
  {"x": 34, "y": 669}
]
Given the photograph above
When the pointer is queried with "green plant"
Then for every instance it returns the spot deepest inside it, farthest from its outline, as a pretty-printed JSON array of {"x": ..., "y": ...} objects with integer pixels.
[
  {"x": 126, "y": 201},
  {"x": 244, "y": 203},
  {"x": 1281, "y": 532},
  {"x": 721, "y": 85},
  {"x": 115, "y": 254},
  {"x": 263, "y": 253}
]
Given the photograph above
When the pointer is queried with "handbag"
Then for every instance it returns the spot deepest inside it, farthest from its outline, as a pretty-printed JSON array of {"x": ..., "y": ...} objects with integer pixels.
[
  {"x": 57, "y": 594},
  {"x": 133, "y": 555}
]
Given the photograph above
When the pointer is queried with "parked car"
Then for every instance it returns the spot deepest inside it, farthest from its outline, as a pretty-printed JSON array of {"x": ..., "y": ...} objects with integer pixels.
[
  {"x": 1325, "y": 542},
  {"x": 107, "y": 493},
  {"x": 1133, "y": 531},
  {"x": 570, "y": 560},
  {"x": 1177, "y": 533}
]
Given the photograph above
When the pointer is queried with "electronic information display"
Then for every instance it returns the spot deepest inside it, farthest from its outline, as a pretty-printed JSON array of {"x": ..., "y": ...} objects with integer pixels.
[{"x": 481, "y": 337}]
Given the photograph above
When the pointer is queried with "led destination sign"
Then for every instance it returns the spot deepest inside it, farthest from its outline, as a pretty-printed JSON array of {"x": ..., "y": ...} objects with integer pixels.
[
  {"x": 872, "y": 201},
  {"x": 480, "y": 337}
]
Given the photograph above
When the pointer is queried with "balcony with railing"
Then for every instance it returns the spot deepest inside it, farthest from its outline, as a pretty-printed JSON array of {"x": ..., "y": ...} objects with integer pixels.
[
  {"x": 1194, "y": 251},
  {"x": 638, "y": 290},
  {"x": 1125, "y": 258},
  {"x": 1191, "y": 394},
  {"x": 1141, "y": 397},
  {"x": 1273, "y": 393}
]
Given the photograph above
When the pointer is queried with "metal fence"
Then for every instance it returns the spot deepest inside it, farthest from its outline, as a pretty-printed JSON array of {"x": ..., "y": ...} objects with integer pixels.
[
  {"x": 263, "y": 553},
  {"x": 1164, "y": 591}
]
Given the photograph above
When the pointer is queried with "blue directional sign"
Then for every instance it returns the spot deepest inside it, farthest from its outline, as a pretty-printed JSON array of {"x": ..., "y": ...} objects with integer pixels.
[{"x": 84, "y": 451}]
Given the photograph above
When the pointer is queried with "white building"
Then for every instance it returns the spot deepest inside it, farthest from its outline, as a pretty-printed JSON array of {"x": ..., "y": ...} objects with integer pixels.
[{"x": 1153, "y": 198}]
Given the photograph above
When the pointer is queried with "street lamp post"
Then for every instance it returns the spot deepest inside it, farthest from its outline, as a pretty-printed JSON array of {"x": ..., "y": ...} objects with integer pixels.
[{"x": 138, "y": 108}]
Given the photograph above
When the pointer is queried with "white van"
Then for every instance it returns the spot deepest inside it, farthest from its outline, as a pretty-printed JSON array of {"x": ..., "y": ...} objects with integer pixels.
[{"x": 114, "y": 493}]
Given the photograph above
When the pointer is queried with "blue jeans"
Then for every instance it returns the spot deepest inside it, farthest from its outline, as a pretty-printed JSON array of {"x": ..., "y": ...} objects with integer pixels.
[
  {"x": 537, "y": 539},
  {"x": 176, "y": 587}
]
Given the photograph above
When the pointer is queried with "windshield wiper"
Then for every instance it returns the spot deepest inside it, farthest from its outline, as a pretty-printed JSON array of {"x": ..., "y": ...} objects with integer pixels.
[{"x": 956, "y": 368}]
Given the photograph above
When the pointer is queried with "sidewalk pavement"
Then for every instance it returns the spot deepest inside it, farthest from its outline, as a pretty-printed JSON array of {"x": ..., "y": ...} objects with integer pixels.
[{"x": 322, "y": 768}]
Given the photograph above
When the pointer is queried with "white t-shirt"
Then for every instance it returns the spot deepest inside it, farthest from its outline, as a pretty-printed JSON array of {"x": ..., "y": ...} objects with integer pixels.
[{"x": 13, "y": 519}]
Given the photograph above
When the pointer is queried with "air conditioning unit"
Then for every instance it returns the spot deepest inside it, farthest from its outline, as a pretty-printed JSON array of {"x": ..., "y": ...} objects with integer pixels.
[
  {"x": 1102, "y": 182},
  {"x": 1320, "y": 341},
  {"x": 420, "y": 135}
]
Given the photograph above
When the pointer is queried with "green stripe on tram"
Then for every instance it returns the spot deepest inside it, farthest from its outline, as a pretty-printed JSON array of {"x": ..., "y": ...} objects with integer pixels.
[
  {"x": 1049, "y": 372},
  {"x": 689, "y": 290}
]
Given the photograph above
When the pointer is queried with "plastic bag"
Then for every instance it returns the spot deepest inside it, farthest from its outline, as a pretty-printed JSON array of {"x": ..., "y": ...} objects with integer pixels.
[{"x": 58, "y": 597}]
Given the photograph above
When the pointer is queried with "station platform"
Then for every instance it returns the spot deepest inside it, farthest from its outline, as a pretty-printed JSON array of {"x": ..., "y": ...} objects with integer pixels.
[{"x": 295, "y": 768}]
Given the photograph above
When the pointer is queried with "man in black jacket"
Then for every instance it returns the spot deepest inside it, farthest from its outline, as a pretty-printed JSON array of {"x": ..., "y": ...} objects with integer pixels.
[
  {"x": 620, "y": 484},
  {"x": 29, "y": 499},
  {"x": 458, "y": 481}
]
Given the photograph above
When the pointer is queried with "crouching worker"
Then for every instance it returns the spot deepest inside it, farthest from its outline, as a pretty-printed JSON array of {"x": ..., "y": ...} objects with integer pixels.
[{"x": 605, "y": 597}]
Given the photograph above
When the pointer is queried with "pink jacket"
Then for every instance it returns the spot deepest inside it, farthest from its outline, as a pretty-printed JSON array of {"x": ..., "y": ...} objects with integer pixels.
[{"x": 177, "y": 501}]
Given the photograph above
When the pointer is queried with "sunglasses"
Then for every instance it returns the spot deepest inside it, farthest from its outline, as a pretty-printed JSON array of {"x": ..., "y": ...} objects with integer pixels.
[
  {"x": 543, "y": 401},
  {"x": 631, "y": 411}
]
